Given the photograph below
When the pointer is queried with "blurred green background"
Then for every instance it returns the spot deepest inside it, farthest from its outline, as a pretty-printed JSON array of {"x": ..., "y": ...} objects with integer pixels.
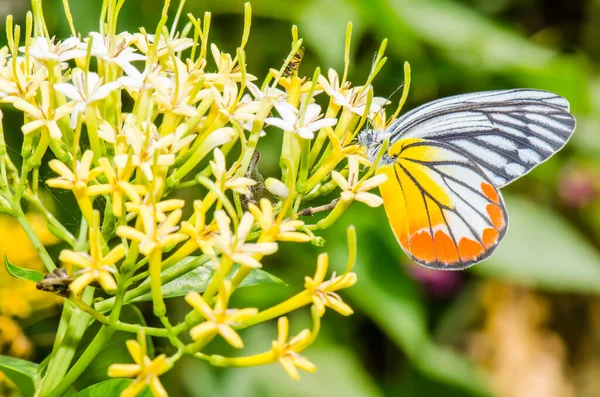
[{"x": 524, "y": 323}]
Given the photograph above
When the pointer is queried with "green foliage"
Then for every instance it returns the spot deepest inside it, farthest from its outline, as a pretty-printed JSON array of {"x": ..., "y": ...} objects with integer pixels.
[
  {"x": 111, "y": 387},
  {"x": 198, "y": 279},
  {"x": 453, "y": 47},
  {"x": 541, "y": 250},
  {"x": 20, "y": 372},
  {"x": 22, "y": 273}
]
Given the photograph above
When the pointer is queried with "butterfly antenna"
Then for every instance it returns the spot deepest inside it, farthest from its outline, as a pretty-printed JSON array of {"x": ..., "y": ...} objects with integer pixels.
[{"x": 387, "y": 100}]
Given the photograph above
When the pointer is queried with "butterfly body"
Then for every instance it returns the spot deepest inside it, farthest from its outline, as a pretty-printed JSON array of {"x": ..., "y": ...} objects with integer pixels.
[{"x": 446, "y": 161}]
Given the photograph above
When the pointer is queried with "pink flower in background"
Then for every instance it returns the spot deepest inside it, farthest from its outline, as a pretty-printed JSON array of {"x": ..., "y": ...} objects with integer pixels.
[
  {"x": 439, "y": 283},
  {"x": 576, "y": 186}
]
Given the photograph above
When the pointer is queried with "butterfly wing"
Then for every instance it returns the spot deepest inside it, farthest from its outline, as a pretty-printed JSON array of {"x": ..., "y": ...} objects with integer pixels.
[
  {"x": 444, "y": 210},
  {"x": 506, "y": 132}
]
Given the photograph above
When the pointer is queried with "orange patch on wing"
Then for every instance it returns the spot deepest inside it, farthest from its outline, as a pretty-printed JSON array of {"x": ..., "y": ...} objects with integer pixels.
[
  {"x": 469, "y": 249},
  {"x": 421, "y": 247},
  {"x": 490, "y": 192},
  {"x": 490, "y": 237},
  {"x": 496, "y": 215},
  {"x": 445, "y": 248}
]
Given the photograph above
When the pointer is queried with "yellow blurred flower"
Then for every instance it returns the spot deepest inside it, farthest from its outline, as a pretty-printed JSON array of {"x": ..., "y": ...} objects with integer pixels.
[
  {"x": 20, "y": 298},
  {"x": 13, "y": 342}
]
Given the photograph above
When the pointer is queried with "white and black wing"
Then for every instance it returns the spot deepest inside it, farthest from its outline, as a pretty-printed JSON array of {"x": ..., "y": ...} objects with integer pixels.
[{"x": 506, "y": 132}]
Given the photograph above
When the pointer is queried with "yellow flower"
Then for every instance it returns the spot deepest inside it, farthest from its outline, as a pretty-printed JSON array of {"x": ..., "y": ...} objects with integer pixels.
[
  {"x": 234, "y": 246},
  {"x": 201, "y": 233},
  {"x": 77, "y": 181},
  {"x": 118, "y": 186},
  {"x": 295, "y": 87},
  {"x": 148, "y": 152},
  {"x": 20, "y": 298},
  {"x": 227, "y": 70},
  {"x": 286, "y": 352},
  {"x": 43, "y": 115},
  {"x": 323, "y": 292},
  {"x": 13, "y": 341},
  {"x": 96, "y": 266},
  {"x": 353, "y": 189},
  {"x": 175, "y": 98},
  {"x": 228, "y": 105},
  {"x": 224, "y": 181},
  {"x": 18, "y": 82},
  {"x": 277, "y": 229},
  {"x": 145, "y": 370},
  {"x": 160, "y": 230},
  {"x": 220, "y": 319}
]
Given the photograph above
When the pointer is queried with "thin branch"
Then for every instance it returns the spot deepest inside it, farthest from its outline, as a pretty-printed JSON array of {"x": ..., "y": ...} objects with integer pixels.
[{"x": 313, "y": 210}]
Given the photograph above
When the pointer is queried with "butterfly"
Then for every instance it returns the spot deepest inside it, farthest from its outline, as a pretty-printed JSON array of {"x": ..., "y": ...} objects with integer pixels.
[{"x": 447, "y": 160}]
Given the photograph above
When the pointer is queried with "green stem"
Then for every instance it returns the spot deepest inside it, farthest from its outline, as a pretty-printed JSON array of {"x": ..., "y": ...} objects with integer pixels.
[
  {"x": 145, "y": 287},
  {"x": 61, "y": 361},
  {"x": 295, "y": 302},
  {"x": 54, "y": 224},
  {"x": 84, "y": 361},
  {"x": 35, "y": 241}
]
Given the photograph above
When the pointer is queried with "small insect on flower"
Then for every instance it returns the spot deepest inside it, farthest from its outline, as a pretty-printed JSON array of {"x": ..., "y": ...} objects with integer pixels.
[
  {"x": 56, "y": 282},
  {"x": 291, "y": 70},
  {"x": 447, "y": 160}
]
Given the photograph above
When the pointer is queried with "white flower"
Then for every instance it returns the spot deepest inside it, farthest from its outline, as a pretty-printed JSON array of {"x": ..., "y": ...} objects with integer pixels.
[
  {"x": 143, "y": 41},
  {"x": 176, "y": 141},
  {"x": 85, "y": 90},
  {"x": 331, "y": 85},
  {"x": 356, "y": 101},
  {"x": 134, "y": 81},
  {"x": 292, "y": 121},
  {"x": 268, "y": 93},
  {"x": 353, "y": 189},
  {"x": 42, "y": 48},
  {"x": 121, "y": 54}
]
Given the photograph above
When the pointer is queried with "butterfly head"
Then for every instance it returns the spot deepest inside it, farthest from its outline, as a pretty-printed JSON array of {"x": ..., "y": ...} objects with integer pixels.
[{"x": 371, "y": 139}]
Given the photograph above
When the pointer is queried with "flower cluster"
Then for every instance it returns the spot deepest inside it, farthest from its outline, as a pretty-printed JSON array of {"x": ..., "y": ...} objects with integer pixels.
[{"x": 132, "y": 121}]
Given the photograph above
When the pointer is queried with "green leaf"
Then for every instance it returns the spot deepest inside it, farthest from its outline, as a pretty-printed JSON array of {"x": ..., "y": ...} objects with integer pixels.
[
  {"x": 198, "y": 279},
  {"x": 473, "y": 41},
  {"x": 19, "y": 272},
  {"x": 110, "y": 387},
  {"x": 542, "y": 250},
  {"x": 323, "y": 26},
  {"x": 21, "y": 372}
]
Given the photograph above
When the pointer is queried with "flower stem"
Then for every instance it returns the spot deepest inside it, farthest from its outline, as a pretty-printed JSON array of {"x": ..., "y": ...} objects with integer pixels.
[
  {"x": 84, "y": 361},
  {"x": 61, "y": 360},
  {"x": 35, "y": 241}
]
